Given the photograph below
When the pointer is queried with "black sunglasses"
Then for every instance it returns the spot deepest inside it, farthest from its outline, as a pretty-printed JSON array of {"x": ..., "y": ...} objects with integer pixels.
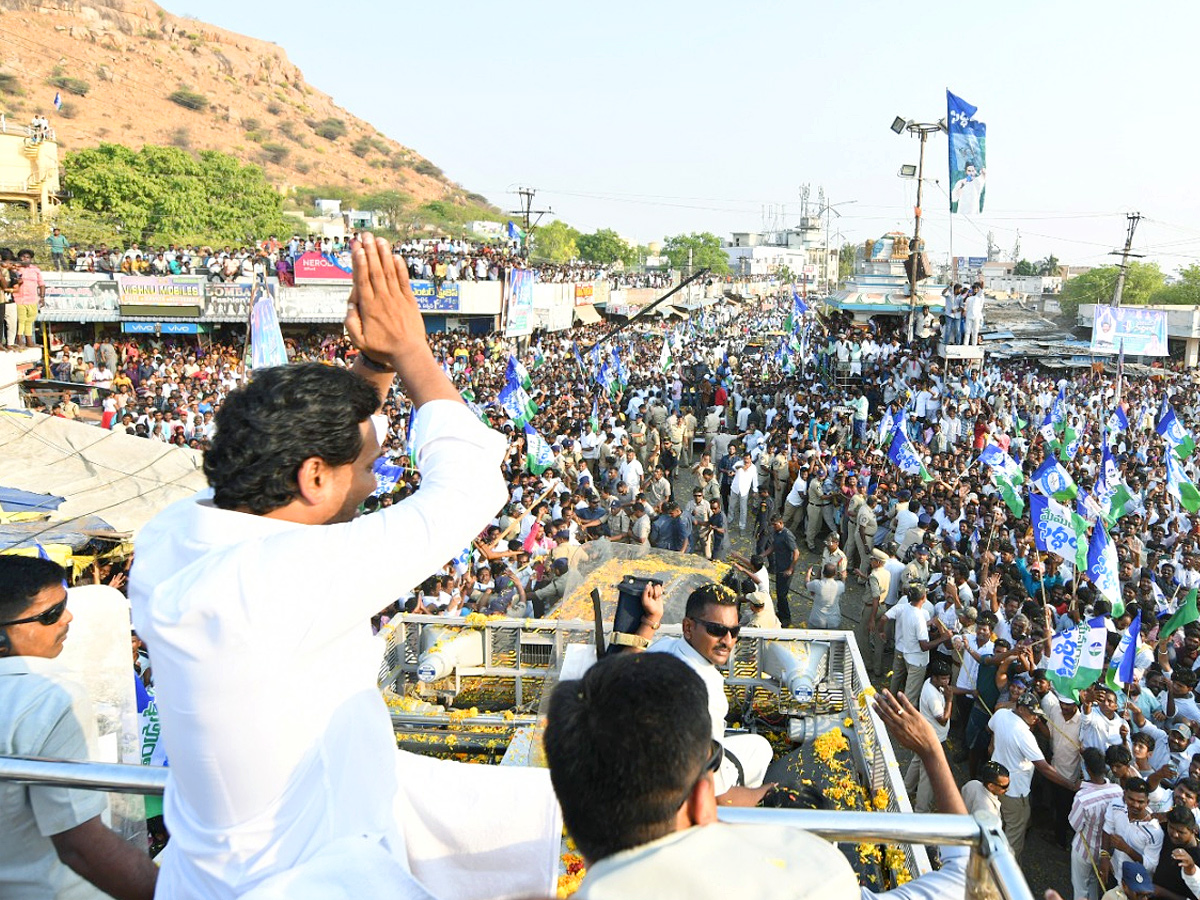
[
  {"x": 717, "y": 630},
  {"x": 45, "y": 617}
]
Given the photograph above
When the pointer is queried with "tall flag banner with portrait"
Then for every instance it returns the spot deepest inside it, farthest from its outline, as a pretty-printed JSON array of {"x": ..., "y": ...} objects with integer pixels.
[
  {"x": 1054, "y": 481},
  {"x": 664, "y": 356},
  {"x": 968, "y": 156},
  {"x": 1102, "y": 565},
  {"x": 1053, "y": 526},
  {"x": 1172, "y": 431},
  {"x": 266, "y": 338},
  {"x": 518, "y": 302},
  {"x": 538, "y": 454},
  {"x": 1077, "y": 657},
  {"x": 904, "y": 456}
]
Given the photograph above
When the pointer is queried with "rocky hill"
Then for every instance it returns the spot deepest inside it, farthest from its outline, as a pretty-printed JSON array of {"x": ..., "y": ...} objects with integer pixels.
[{"x": 129, "y": 72}]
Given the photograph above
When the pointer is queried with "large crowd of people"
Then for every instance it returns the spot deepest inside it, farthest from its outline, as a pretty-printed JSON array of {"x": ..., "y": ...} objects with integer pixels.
[
  {"x": 850, "y": 479},
  {"x": 444, "y": 259}
]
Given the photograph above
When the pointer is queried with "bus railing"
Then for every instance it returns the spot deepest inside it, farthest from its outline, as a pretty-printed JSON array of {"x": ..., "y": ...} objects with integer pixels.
[{"x": 991, "y": 854}]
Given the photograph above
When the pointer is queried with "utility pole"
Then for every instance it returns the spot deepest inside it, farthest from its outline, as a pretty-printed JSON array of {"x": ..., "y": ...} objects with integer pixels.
[
  {"x": 527, "y": 213},
  {"x": 1133, "y": 219}
]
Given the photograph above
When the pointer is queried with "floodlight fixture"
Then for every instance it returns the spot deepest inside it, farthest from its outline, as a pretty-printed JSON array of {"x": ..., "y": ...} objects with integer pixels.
[
  {"x": 899, "y": 124},
  {"x": 908, "y": 170}
]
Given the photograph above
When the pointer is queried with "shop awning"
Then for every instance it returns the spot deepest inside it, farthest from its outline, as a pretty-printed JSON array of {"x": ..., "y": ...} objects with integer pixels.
[{"x": 586, "y": 313}]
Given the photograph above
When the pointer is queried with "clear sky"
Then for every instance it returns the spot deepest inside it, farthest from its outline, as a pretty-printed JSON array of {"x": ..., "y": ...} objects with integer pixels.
[{"x": 660, "y": 117}]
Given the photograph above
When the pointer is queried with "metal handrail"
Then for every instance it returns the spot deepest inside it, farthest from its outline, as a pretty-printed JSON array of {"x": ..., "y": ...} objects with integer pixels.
[{"x": 982, "y": 833}]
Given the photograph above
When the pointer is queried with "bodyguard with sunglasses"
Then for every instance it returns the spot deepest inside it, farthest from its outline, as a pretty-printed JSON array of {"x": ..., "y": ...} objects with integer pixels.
[
  {"x": 710, "y": 631},
  {"x": 55, "y": 844}
]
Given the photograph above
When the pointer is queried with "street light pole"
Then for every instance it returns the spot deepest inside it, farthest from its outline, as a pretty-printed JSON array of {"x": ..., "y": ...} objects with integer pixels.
[{"x": 922, "y": 130}]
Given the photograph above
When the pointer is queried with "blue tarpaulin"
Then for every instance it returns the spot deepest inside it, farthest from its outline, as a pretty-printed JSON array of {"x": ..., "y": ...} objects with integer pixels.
[{"x": 13, "y": 500}]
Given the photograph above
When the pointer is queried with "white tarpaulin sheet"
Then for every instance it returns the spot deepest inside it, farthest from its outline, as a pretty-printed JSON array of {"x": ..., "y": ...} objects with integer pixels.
[{"x": 123, "y": 479}]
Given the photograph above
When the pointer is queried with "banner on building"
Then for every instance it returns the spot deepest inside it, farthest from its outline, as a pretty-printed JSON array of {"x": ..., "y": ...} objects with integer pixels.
[
  {"x": 163, "y": 328},
  {"x": 518, "y": 302},
  {"x": 446, "y": 299},
  {"x": 320, "y": 268},
  {"x": 170, "y": 290},
  {"x": 99, "y": 296},
  {"x": 1140, "y": 332},
  {"x": 968, "y": 156},
  {"x": 584, "y": 294},
  {"x": 230, "y": 301}
]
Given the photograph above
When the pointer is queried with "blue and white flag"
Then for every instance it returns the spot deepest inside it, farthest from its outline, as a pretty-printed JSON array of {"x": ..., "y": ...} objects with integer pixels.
[
  {"x": 1053, "y": 527},
  {"x": 1122, "y": 663},
  {"x": 1173, "y": 432},
  {"x": 57, "y": 100},
  {"x": 1054, "y": 481},
  {"x": 1118, "y": 421},
  {"x": 799, "y": 305},
  {"x": 904, "y": 456},
  {"x": 516, "y": 373},
  {"x": 886, "y": 425},
  {"x": 1077, "y": 657},
  {"x": 1046, "y": 430},
  {"x": 1102, "y": 564},
  {"x": 538, "y": 454},
  {"x": 993, "y": 456},
  {"x": 967, "y": 140},
  {"x": 517, "y": 404}
]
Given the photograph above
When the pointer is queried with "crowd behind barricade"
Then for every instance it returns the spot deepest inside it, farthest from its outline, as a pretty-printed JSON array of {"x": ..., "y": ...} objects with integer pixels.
[{"x": 865, "y": 450}]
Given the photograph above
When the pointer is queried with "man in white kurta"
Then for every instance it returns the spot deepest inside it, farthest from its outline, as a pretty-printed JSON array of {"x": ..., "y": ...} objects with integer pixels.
[{"x": 281, "y": 747}]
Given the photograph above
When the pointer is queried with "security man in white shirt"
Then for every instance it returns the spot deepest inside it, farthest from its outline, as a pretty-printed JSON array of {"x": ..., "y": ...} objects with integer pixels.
[{"x": 55, "y": 844}]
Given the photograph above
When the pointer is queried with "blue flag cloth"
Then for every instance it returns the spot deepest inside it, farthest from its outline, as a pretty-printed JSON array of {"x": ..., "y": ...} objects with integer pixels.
[
  {"x": 1119, "y": 421},
  {"x": 1102, "y": 564},
  {"x": 1054, "y": 481},
  {"x": 1125, "y": 655},
  {"x": 800, "y": 306},
  {"x": 904, "y": 456},
  {"x": 1053, "y": 528},
  {"x": 967, "y": 140}
]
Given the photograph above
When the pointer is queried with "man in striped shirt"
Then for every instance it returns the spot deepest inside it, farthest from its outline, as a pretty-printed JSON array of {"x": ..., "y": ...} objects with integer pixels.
[{"x": 1087, "y": 818}]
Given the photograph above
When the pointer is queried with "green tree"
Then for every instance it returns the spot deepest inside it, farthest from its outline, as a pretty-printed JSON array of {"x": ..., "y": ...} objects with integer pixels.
[
  {"x": 1097, "y": 285},
  {"x": 1025, "y": 267},
  {"x": 1184, "y": 292},
  {"x": 557, "y": 242},
  {"x": 605, "y": 247},
  {"x": 168, "y": 195},
  {"x": 20, "y": 230},
  {"x": 846, "y": 257},
  {"x": 705, "y": 250},
  {"x": 393, "y": 204},
  {"x": 1049, "y": 266}
]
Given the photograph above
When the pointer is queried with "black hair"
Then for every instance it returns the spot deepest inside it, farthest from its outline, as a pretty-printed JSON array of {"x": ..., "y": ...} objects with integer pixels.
[
  {"x": 267, "y": 429},
  {"x": 1117, "y": 755},
  {"x": 939, "y": 667},
  {"x": 1181, "y": 815},
  {"x": 1185, "y": 676},
  {"x": 1189, "y": 783},
  {"x": 1137, "y": 785},
  {"x": 991, "y": 772},
  {"x": 22, "y": 578},
  {"x": 1093, "y": 761},
  {"x": 709, "y": 594},
  {"x": 625, "y": 745}
]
